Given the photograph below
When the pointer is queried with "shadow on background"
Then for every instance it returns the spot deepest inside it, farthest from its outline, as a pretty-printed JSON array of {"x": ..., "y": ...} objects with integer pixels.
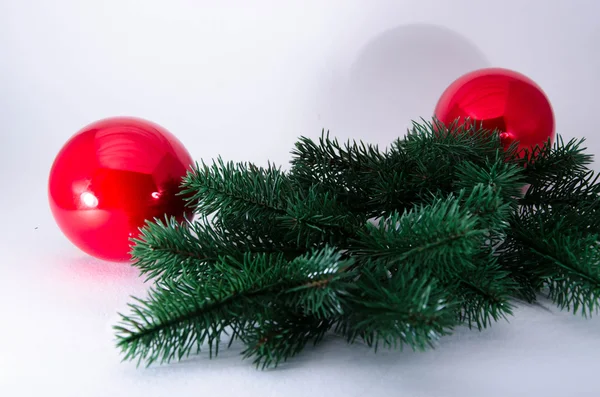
[
  {"x": 85, "y": 268},
  {"x": 398, "y": 77}
]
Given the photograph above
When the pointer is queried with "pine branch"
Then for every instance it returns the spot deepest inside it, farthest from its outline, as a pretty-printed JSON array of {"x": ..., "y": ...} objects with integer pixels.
[
  {"x": 553, "y": 160},
  {"x": 324, "y": 276},
  {"x": 237, "y": 188},
  {"x": 404, "y": 309},
  {"x": 286, "y": 257},
  {"x": 276, "y": 340},
  {"x": 441, "y": 237},
  {"x": 328, "y": 155},
  {"x": 504, "y": 178},
  {"x": 177, "y": 318},
  {"x": 180, "y": 316},
  {"x": 244, "y": 196},
  {"x": 550, "y": 254},
  {"x": 490, "y": 192},
  {"x": 485, "y": 292},
  {"x": 510, "y": 257},
  {"x": 392, "y": 192},
  {"x": 490, "y": 211},
  {"x": 436, "y": 144},
  {"x": 572, "y": 274},
  {"x": 168, "y": 249},
  {"x": 579, "y": 190},
  {"x": 425, "y": 163},
  {"x": 337, "y": 169},
  {"x": 314, "y": 218},
  {"x": 448, "y": 240},
  {"x": 562, "y": 201}
]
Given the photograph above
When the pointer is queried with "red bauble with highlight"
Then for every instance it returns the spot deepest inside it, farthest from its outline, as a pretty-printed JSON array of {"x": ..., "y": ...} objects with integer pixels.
[
  {"x": 500, "y": 99},
  {"x": 111, "y": 177}
]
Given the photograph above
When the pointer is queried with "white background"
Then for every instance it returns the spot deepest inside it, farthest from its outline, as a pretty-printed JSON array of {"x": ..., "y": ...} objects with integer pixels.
[{"x": 244, "y": 79}]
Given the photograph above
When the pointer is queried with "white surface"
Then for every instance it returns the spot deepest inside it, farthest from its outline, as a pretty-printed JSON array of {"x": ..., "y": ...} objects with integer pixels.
[{"x": 244, "y": 81}]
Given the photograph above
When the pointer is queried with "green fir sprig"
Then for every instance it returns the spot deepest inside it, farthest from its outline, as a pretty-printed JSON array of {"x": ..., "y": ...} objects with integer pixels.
[{"x": 394, "y": 248}]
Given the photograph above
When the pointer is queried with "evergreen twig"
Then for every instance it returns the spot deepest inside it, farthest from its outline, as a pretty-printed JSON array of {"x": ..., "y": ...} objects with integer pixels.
[{"x": 393, "y": 247}]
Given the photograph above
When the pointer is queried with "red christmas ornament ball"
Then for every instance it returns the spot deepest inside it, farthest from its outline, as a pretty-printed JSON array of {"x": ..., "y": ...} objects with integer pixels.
[
  {"x": 111, "y": 177},
  {"x": 500, "y": 99}
]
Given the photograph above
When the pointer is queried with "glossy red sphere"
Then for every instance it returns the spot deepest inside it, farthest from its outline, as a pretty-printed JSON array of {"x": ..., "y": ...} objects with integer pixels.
[
  {"x": 500, "y": 99},
  {"x": 111, "y": 177}
]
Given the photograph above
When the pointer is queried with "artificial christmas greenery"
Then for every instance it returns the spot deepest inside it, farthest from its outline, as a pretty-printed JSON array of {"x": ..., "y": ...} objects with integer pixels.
[{"x": 396, "y": 247}]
